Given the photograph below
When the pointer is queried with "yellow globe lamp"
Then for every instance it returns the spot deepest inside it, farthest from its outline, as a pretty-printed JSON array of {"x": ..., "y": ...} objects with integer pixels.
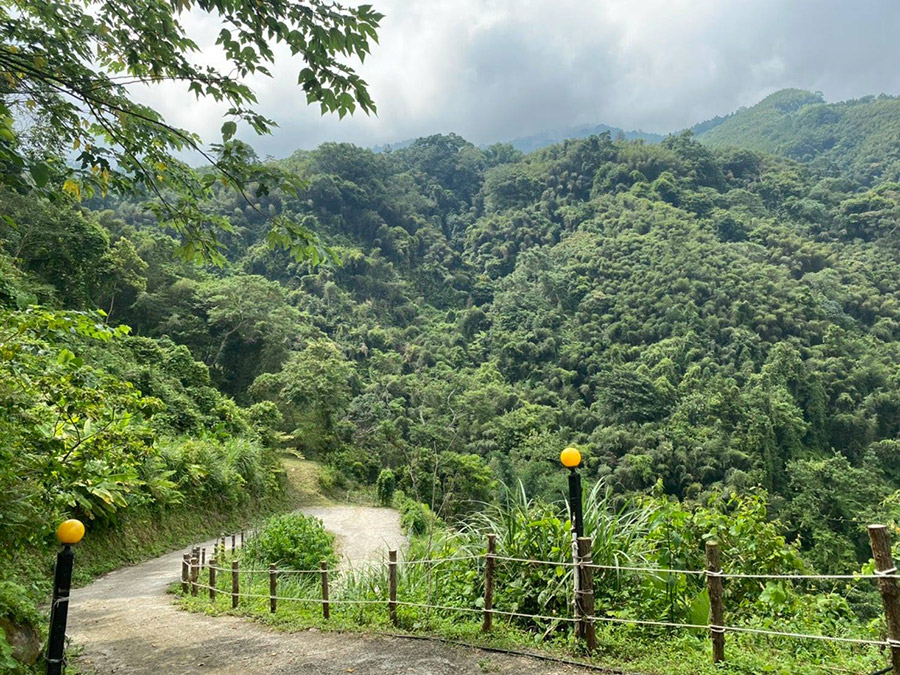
[
  {"x": 70, "y": 531},
  {"x": 570, "y": 458}
]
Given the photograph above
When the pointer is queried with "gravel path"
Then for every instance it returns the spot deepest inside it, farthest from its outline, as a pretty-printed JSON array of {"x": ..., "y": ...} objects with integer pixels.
[{"x": 126, "y": 623}]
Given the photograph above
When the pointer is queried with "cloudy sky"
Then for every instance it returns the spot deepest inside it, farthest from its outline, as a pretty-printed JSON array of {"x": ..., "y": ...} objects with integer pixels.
[{"x": 497, "y": 69}]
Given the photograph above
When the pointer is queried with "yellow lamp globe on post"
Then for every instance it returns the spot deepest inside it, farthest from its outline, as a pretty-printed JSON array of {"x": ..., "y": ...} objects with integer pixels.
[
  {"x": 70, "y": 532},
  {"x": 570, "y": 458}
]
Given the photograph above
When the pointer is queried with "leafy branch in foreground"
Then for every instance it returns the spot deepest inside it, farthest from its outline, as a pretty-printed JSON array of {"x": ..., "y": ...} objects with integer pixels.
[{"x": 65, "y": 71}]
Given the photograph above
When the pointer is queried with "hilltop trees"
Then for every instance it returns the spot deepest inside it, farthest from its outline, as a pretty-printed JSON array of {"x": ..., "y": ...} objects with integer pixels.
[{"x": 852, "y": 139}]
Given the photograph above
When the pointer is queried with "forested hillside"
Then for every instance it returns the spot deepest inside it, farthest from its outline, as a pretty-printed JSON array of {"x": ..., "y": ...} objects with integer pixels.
[
  {"x": 695, "y": 319},
  {"x": 700, "y": 321},
  {"x": 857, "y": 139}
]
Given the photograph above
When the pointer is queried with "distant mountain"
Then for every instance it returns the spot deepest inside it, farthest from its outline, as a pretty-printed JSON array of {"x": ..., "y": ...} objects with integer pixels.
[
  {"x": 546, "y": 138},
  {"x": 859, "y": 138},
  {"x": 389, "y": 147},
  {"x": 541, "y": 140}
]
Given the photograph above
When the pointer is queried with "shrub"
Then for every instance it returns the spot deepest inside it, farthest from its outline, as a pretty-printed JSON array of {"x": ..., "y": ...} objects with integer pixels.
[
  {"x": 331, "y": 479},
  {"x": 385, "y": 486},
  {"x": 415, "y": 517},
  {"x": 293, "y": 541},
  {"x": 266, "y": 419},
  {"x": 19, "y": 615}
]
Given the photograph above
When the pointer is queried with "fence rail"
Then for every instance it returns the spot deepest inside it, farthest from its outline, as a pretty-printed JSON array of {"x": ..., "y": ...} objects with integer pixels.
[{"x": 585, "y": 618}]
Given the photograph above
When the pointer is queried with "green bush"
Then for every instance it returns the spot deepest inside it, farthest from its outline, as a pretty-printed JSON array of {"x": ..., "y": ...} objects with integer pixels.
[
  {"x": 15, "y": 607},
  {"x": 652, "y": 532},
  {"x": 415, "y": 517},
  {"x": 331, "y": 479},
  {"x": 385, "y": 487},
  {"x": 293, "y": 541}
]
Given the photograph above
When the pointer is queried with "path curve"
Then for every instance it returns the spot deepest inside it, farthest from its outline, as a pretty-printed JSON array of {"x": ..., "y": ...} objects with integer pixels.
[{"x": 126, "y": 623}]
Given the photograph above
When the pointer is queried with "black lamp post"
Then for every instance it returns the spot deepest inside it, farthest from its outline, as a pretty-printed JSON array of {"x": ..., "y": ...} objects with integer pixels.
[
  {"x": 70, "y": 532},
  {"x": 571, "y": 459}
]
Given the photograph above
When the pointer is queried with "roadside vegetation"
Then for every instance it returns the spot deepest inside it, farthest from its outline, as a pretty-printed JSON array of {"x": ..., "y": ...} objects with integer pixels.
[{"x": 651, "y": 532}]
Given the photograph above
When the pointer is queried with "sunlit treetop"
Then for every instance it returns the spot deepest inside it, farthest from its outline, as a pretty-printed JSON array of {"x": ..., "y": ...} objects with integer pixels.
[{"x": 69, "y": 127}]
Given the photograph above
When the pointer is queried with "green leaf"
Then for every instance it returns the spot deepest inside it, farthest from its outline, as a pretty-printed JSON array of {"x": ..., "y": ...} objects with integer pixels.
[
  {"x": 41, "y": 174},
  {"x": 698, "y": 612},
  {"x": 229, "y": 129}
]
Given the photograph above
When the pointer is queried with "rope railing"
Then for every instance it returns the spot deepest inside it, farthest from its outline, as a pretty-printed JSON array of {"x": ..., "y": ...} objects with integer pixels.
[
  {"x": 568, "y": 619},
  {"x": 352, "y": 568},
  {"x": 613, "y": 568},
  {"x": 584, "y": 616},
  {"x": 724, "y": 575}
]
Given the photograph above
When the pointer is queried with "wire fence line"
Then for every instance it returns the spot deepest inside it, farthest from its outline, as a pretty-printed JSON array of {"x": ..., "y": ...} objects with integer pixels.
[
  {"x": 589, "y": 618},
  {"x": 351, "y": 568},
  {"x": 891, "y": 574},
  {"x": 614, "y": 568},
  {"x": 567, "y": 619}
]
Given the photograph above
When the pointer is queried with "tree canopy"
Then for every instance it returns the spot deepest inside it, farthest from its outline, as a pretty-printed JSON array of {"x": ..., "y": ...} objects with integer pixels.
[{"x": 70, "y": 126}]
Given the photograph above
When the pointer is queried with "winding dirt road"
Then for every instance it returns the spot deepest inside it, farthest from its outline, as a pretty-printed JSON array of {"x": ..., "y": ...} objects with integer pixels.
[{"x": 126, "y": 623}]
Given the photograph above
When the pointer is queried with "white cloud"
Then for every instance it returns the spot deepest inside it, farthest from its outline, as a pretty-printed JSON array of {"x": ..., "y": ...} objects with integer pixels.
[{"x": 496, "y": 69}]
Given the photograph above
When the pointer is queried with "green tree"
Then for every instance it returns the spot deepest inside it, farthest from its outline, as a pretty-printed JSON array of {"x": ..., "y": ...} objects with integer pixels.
[
  {"x": 313, "y": 390},
  {"x": 121, "y": 270},
  {"x": 67, "y": 68},
  {"x": 385, "y": 486}
]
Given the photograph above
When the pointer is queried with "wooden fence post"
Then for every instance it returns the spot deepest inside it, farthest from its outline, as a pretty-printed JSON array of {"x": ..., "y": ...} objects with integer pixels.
[
  {"x": 233, "y": 540},
  {"x": 242, "y": 537},
  {"x": 203, "y": 557},
  {"x": 195, "y": 574},
  {"x": 185, "y": 572},
  {"x": 325, "y": 607},
  {"x": 273, "y": 588},
  {"x": 212, "y": 579},
  {"x": 392, "y": 585},
  {"x": 489, "y": 582},
  {"x": 716, "y": 605},
  {"x": 586, "y": 593},
  {"x": 880, "y": 539},
  {"x": 235, "y": 587}
]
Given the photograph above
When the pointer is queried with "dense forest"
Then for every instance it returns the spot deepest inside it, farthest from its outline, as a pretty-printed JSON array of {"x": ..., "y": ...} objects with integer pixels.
[
  {"x": 698, "y": 320},
  {"x": 854, "y": 139}
]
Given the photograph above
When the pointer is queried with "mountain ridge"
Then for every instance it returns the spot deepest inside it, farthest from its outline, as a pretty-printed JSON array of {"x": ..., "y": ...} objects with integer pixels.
[{"x": 845, "y": 136}]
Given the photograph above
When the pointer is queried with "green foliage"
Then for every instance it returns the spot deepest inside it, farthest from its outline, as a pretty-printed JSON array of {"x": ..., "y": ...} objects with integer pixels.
[
  {"x": 79, "y": 440},
  {"x": 291, "y": 541},
  {"x": 853, "y": 138},
  {"x": 701, "y": 321},
  {"x": 67, "y": 70},
  {"x": 652, "y": 532},
  {"x": 74, "y": 436},
  {"x": 15, "y": 608},
  {"x": 415, "y": 517},
  {"x": 706, "y": 318},
  {"x": 385, "y": 486}
]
